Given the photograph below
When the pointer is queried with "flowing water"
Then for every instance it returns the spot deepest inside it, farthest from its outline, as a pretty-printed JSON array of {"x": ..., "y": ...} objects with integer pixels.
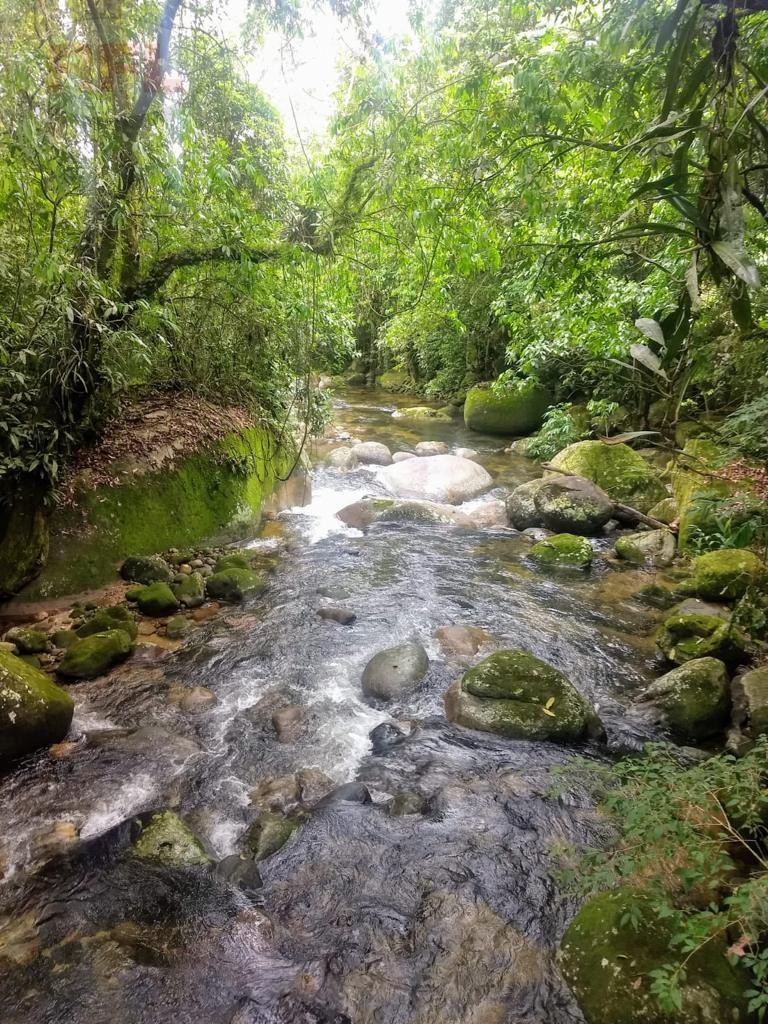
[{"x": 449, "y": 916}]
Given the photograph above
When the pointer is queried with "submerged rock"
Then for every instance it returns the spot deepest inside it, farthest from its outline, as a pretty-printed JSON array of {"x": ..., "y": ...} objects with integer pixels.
[
  {"x": 178, "y": 627},
  {"x": 27, "y": 640},
  {"x": 724, "y": 575},
  {"x": 654, "y": 548},
  {"x": 426, "y": 512},
  {"x": 34, "y": 711},
  {"x": 146, "y": 569},
  {"x": 395, "y": 672},
  {"x": 694, "y": 698},
  {"x": 91, "y": 656},
  {"x": 607, "y": 963},
  {"x": 462, "y": 640},
  {"x": 289, "y": 723},
  {"x": 424, "y": 448},
  {"x": 571, "y": 504},
  {"x": 516, "y": 695},
  {"x": 233, "y": 585},
  {"x": 423, "y": 412},
  {"x": 115, "y": 616},
  {"x": 403, "y": 804},
  {"x": 168, "y": 840},
  {"x": 441, "y": 478},
  {"x": 506, "y": 410},
  {"x": 372, "y": 453},
  {"x": 623, "y": 474},
  {"x": 269, "y": 833},
  {"x": 564, "y": 550},
  {"x": 466, "y": 453}
]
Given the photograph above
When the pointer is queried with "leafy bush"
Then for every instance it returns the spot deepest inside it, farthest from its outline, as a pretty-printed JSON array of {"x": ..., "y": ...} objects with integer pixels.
[
  {"x": 558, "y": 431},
  {"x": 694, "y": 841},
  {"x": 747, "y": 428}
]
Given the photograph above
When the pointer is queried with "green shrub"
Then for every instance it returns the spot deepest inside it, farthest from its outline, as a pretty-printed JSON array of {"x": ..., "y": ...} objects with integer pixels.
[{"x": 558, "y": 431}]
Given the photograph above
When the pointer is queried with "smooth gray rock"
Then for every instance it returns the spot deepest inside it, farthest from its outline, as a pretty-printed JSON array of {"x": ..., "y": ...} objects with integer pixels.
[{"x": 395, "y": 672}]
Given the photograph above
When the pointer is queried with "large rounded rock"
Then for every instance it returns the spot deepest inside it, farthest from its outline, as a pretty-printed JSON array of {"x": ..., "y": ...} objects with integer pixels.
[
  {"x": 441, "y": 478},
  {"x": 563, "y": 551},
  {"x": 694, "y": 698},
  {"x": 514, "y": 694},
  {"x": 395, "y": 672},
  {"x": 607, "y": 963},
  {"x": 190, "y": 591},
  {"x": 684, "y": 636},
  {"x": 92, "y": 656},
  {"x": 363, "y": 513},
  {"x": 343, "y": 458},
  {"x": 156, "y": 600},
  {"x": 724, "y": 575},
  {"x": 521, "y": 505},
  {"x": 34, "y": 711},
  {"x": 623, "y": 474},
  {"x": 654, "y": 548},
  {"x": 516, "y": 409},
  {"x": 233, "y": 585},
  {"x": 115, "y": 616},
  {"x": 27, "y": 639},
  {"x": 372, "y": 453},
  {"x": 572, "y": 504},
  {"x": 403, "y": 456}
]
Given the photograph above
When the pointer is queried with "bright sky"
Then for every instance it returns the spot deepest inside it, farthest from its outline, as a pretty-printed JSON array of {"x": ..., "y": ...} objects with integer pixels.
[{"x": 304, "y": 75}]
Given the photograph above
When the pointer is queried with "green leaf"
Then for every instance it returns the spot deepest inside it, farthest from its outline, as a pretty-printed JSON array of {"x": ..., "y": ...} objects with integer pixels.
[
  {"x": 738, "y": 262},
  {"x": 651, "y": 329}
]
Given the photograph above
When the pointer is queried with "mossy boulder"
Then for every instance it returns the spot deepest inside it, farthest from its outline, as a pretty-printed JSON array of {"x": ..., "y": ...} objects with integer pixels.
[
  {"x": 694, "y": 698},
  {"x": 572, "y": 504},
  {"x": 62, "y": 638},
  {"x": 91, "y": 656},
  {"x": 516, "y": 695},
  {"x": 516, "y": 409},
  {"x": 34, "y": 711},
  {"x": 623, "y": 474},
  {"x": 269, "y": 833},
  {"x": 654, "y": 548},
  {"x": 27, "y": 639},
  {"x": 115, "y": 616},
  {"x": 190, "y": 591},
  {"x": 156, "y": 600},
  {"x": 521, "y": 505},
  {"x": 233, "y": 585},
  {"x": 607, "y": 964},
  {"x": 697, "y": 496},
  {"x": 724, "y": 575},
  {"x": 166, "y": 839},
  {"x": 177, "y": 627},
  {"x": 234, "y": 560},
  {"x": 665, "y": 511},
  {"x": 684, "y": 636},
  {"x": 146, "y": 569},
  {"x": 564, "y": 550}
]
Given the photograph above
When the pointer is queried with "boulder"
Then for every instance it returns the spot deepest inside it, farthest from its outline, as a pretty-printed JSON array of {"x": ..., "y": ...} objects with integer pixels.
[
  {"x": 146, "y": 569},
  {"x": 724, "y": 575},
  {"x": 62, "y": 638},
  {"x": 693, "y": 698},
  {"x": 488, "y": 515},
  {"x": 515, "y": 409},
  {"x": 521, "y": 505},
  {"x": 424, "y": 512},
  {"x": 608, "y": 964},
  {"x": 34, "y": 711},
  {"x": 341, "y": 615},
  {"x": 166, "y": 839},
  {"x": 115, "y": 616},
  {"x": 466, "y": 453},
  {"x": 92, "y": 656},
  {"x": 750, "y": 702},
  {"x": 572, "y": 504},
  {"x": 269, "y": 833},
  {"x": 402, "y": 804},
  {"x": 654, "y": 548},
  {"x": 684, "y": 636},
  {"x": 27, "y": 640},
  {"x": 363, "y": 513},
  {"x": 287, "y": 793},
  {"x": 343, "y": 458},
  {"x": 385, "y": 736},
  {"x": 156, "y": 600},
  {"x": 623, "y": 474},
  {"x": 563, "y": 550},
  {"x": 431, "y": 448},
  {"x": 372, "y": 453},
  {"x": 402, "y": 456},
  {"x": 516, "y": 695},
  {"x": 233, "y": 585},
  {"x": 190, "y": 592},
  {"x": 441, "y": 478},
  {"x": 395, "y": 672}
]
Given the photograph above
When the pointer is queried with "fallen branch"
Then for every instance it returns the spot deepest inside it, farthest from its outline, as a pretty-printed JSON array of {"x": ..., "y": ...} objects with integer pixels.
[{"x": 624, "y": 511}]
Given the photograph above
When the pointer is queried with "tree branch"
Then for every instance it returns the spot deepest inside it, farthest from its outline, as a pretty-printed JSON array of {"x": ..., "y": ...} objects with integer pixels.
[{"x": 152, "y": 83}]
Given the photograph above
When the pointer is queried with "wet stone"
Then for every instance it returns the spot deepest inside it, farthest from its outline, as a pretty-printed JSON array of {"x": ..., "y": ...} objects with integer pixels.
[{"x": 341, "y": 615}]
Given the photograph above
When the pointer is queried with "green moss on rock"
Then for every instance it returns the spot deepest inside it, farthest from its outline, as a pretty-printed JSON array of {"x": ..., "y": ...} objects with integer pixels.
[
  {"x": 685, "y": 636},
  {"x": 146, "y": 569},
  {"x": 234, "y": 560},
  {"x": 396, "y": 381},
  {"x": 269, "y": 833},
  {"x": 190, "y": 591},
  {"x": 34, "y": 711},
  {"x": 157, "y": 600},
  {"x": 91, "y": 656},
  {"x": 607, "y": 964},
  {"x": 665, "y": 511},
  {"x": 654, "y": 548},
  {"x": 167, "y": 840},
  {"x": 114, "y": 616},
  {"x": 695, "y": 698},
  {"x": 623, "y": 474},
  {"x": 697, "y": 496},
  {"x": 514, "y": 694},
  {"x": 512, "y": 410},
  {"x": 564, "y": 550},
  {"x": 724, "y": 575},
  {"x": 27, "y": 639},
  {"x": 425, "y": 412},
  {"x": 232, "y": 585}
]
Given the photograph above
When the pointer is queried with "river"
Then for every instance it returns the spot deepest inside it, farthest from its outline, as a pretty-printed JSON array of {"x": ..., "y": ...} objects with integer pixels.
[{"x": 447, "y": 916}]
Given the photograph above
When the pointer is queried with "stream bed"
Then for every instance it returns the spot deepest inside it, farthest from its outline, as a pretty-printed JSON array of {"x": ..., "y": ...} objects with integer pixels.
[{"x": 447, "y": 916}]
